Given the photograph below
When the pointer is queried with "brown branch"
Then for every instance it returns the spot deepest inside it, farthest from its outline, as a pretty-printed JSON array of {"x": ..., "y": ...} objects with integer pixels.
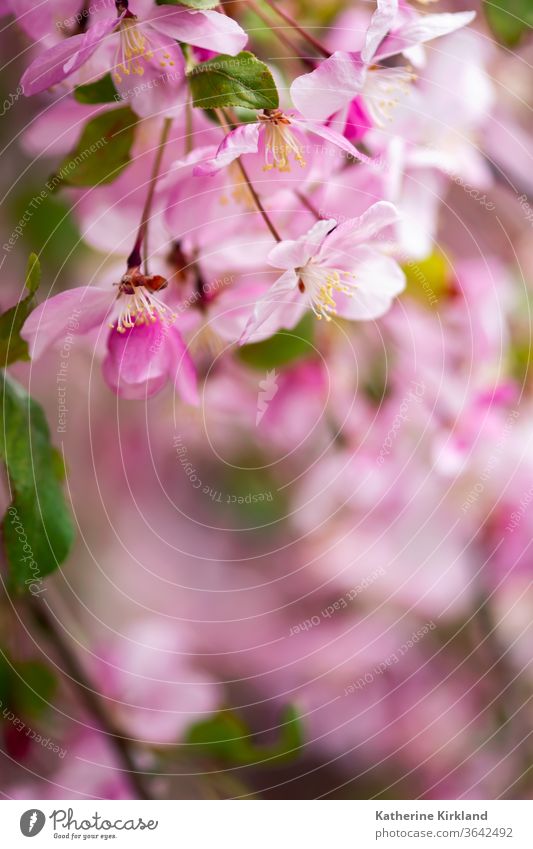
[{"x": 88, "y": 696}]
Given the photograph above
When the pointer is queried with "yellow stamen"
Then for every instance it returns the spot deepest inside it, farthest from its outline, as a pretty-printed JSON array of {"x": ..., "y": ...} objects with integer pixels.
[
  {"x": 280, "y": 143},
  {"x": 133, "y": 49},
  {"x": 320, "y": 285},
  {"x": 140, "y": 306}
]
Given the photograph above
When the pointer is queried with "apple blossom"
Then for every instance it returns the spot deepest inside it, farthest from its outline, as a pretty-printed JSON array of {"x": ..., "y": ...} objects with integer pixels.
[
  {"x": 144, "y": 348},
  {"x": 331, "y": 270},
  {"x": 135, "y": 44},
  {"x": 345, "y": 77}
]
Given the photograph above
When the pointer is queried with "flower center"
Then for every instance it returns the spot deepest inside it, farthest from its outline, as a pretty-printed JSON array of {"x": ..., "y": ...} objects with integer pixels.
[
  {"x": 383, "y": 90},
  {"x": 280, "y": 142},
  {"x": 320, "y": 285},
  {"x": 139, "y": 305},
  {"x": 134, "y": 49}
]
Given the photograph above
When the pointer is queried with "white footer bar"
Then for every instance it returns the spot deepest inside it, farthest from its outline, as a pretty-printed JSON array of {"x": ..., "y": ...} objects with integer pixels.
[{"x": 267, "y": 824}]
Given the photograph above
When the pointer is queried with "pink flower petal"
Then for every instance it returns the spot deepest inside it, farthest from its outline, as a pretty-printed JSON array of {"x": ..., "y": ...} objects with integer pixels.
[
  {"x": 281, "y": 306},
  {"x": 333, "y": 137},
  {"x": 181, "y": 368},
  {"x": 140, "y": 362},
  {"x": 422, "y": 28},
  {"x": 76, "y": 311},
  {"x": 380, "y": 25},
  {"x": 295, "y": 253},
  {"x": 46, "y": 19},
  {"x": 358, "y": 121},
  {"x": 348, "y": 235},
  {"x": 57, "y": 63},
  {"x": 379, "y": 279},
  {"x": 210, "y": 30},
  {"x": 243, "y": 139},
  {"x": 136, "y": 364},
  {"x": 330, "y": 87},
  {"x": 161, "y": 89},
  {"x": 230, "y": 310}
]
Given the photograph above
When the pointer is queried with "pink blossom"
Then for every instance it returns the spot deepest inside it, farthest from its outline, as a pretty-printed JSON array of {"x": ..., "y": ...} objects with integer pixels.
[
  {"x": 331, "y": 269},
  {"x": 144, "y": 348},
  {"x": 279, "y": 137},
  {"x": 345, "y": 76},
  {"x": 152, "y": 683},
  {"x": 140, "y": 50}
]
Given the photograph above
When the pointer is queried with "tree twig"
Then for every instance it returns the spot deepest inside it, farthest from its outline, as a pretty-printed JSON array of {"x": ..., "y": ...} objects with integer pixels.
[{"x": 88, "y": 696}]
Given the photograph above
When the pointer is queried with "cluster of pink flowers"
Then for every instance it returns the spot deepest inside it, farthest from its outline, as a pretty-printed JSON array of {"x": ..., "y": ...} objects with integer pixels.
[
  {"x": 330, "y": 269},
  {"x": 391, "y": 456}
]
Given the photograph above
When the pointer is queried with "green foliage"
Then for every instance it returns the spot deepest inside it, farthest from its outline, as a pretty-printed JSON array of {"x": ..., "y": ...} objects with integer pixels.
[
  {"x": 241, "y": 80},
  {"x": 101, "y": 91},
  {"x": 281, "y": 349},
  {"x": 228, "y": 739},
  {"x": 49, "y": 226},
  {"x": 37, "y": 529},
  {"x": 33, "y": 686},
  {"x": 26, "y": 687},
  {"x": 509, "y": 20},
  {"x": 102, "y": 152},
  {"x": 12, "y": 346}
]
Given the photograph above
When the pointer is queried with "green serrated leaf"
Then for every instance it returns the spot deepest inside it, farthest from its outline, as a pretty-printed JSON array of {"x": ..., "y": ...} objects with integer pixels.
[
  {"x": 102, "y": 152},
  {"x": 509, "y": 20},
  {"x": 37, "y": 528},
  {"x": 241, "y": 80},
  {"x": 191, "y": 4},
  {"x": 12, "y": 346},
  {"x": 281, "y": 349},
  {"x": 101, "y": 91},
  {"x": 227, "y": 738}
]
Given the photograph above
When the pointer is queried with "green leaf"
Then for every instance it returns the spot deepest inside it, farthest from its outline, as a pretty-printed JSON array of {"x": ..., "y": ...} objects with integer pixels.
[
  {"x": 12, "y": 346},
  {"x": 26, "y": 687},
  {"x": 33, "y": 687},
  {"x": 102, "y": 152},
  {"x": 509, "y": 20},
  {"x": 281, "y": 349},
  {"x": 227, "y": 738},
  {"x": 33, "y": 274},
  {"x": 37, "y": 528},
  {"x": 101, "y": 91},
  {"x": 191, "y": 4},
  {"x": 241, "y": 80}
]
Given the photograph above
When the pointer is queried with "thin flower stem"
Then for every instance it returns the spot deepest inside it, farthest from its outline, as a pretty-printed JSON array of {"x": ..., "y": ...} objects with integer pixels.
[
  {"x": 88, "y": 695},
  {"x": 189, "y": 129},
  {"x": 141, "y": 242},
  {"x": 288, "y": 42},
  {"x": 260, "y": 207},
  {"x": 257, "y": 200},
  {"x": 308, "y": 205},
  {"x": 307, "y": 36}
]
